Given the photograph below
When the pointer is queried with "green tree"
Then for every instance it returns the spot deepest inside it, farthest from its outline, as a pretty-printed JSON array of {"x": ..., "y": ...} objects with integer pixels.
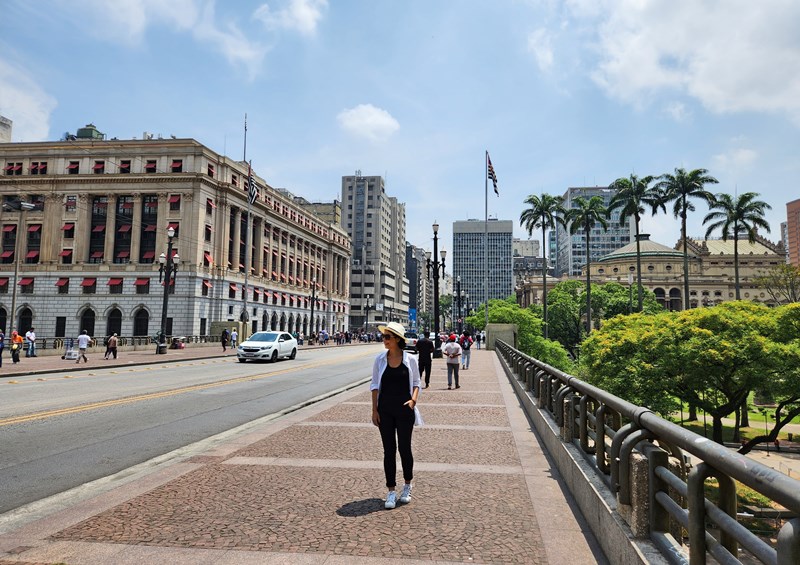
[
  {"x": 633, "y": 194},
  {"x": 565, "y": 315},
  {"x": 679, "y": 189},
  {"x": 543, "y": 212},
  {"x": 583, "y": 216},
  {"x": 445, "y": 306},
  {"x": 781, "y": 282},
  {"x": 733, "y": 217}
]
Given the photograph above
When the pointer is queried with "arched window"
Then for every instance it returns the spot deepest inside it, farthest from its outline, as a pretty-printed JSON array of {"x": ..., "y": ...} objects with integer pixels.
[
  {"x": 25, "y": 320},
  {"x": 264, "y": 321},
  {"x": 675, "y": 302},
  {"x": 290, "y": 328},
  {"x": 87, "y": 321},
  {"x": 283, "y": 322},
  {"x": 274, "y": 323},
  {"x": 141, "y": 321},
  {"x": 3, "y": 319},
  {"x": 114, "y": 322}
]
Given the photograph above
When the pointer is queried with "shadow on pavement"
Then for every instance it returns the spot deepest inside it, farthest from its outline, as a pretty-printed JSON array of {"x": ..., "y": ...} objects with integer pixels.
[{"x": 360, "y": 507}]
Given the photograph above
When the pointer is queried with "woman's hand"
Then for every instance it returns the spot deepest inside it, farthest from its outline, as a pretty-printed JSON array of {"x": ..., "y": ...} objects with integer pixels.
[
  {"x": 410, "y": 403},
  {"x": 376, "y": 419}
]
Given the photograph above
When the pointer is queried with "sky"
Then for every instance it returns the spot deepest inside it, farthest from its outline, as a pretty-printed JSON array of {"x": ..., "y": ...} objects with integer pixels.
[{"x": 560, "y": 93}]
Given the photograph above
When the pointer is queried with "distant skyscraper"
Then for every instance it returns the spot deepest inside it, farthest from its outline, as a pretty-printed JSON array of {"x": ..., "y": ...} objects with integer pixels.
[
  {"x": 571, "y": 249},
  {"x": 792, "y": 238},
  {"x": 468, "y": 258},
  {"x": 376, "y": 223},
  {"x": 5, "y": 130}
]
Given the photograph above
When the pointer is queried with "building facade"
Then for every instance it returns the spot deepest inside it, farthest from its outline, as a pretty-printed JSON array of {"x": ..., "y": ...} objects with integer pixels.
[
  {"x": 87, "y": 255},
  {"x": 420, "y": 294},
  {"x": 468, "y": 259},
  {"x": 376, "y": 225},
  {"x": 792, "y": 237},
  {"x": 570, "y": 249}
]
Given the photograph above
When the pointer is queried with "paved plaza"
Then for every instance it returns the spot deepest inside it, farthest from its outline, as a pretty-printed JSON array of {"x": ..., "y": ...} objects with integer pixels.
[{"x": 307, "y": 488}]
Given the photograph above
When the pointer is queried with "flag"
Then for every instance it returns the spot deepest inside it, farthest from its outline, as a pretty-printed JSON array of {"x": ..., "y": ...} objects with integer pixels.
[
  {"x": 491, "y": 173},
  {"x": 252, "y": 189}
]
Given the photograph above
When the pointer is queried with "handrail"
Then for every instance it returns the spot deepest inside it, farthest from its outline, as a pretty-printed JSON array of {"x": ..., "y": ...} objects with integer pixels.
[{"x": 619, "y": 435}]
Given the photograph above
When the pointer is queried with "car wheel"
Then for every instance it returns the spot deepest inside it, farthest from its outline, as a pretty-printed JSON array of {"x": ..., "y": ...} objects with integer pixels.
[
  {"x": 242, "y": 360},
  {"x": 274, "y": 356},
  {"x": 294, "y": 354}
]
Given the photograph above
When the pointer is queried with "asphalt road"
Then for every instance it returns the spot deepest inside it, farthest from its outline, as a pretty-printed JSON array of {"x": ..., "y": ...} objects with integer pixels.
[{"x": 68, "y": 429}]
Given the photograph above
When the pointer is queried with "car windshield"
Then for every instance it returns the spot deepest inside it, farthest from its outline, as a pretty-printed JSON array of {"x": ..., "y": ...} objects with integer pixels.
[
  {"x": 263, "y": 337},
  {"x": 411, "y": 334}
]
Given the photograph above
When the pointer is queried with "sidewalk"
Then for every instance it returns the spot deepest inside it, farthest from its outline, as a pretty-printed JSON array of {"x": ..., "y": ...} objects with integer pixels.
[{"x": 307, "y": 488}]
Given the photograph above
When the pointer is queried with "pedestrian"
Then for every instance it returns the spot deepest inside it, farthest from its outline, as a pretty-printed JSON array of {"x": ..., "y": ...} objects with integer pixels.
[
  {"x": 465, "y": 342},
  {"x": 2, "y": 346},
  {"x": 83, "y": 344},
  {"x": 30, "y": 343},
  {"x": 223, "y": 339},
  {"x": 424, "y": 350},
  {"x": 452, "y": 351},
  {"x": 16, "y": 345},
  {"x": 395, "y": 389},
  {"x": 111, "y": 347},
  {"x": 478, "y": 339},
  {"x": 234, "y": 338}
]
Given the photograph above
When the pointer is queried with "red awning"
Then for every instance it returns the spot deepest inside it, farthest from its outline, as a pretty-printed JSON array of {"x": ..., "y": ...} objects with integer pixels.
[
  {"x": 65, "y": 253},
  {"x": 73, "y": 165},
  {"x": 26, "y": 281},
  {"x": 9, "y": 167},
  {"x": 3, "y": 281},
  {"x": 210, "y": 203},
  {"x": 68, "y": 226},
  {"x": 9, "y": 227},
  {"x": 34, "y": 227},
  {"x": 256, "y": 291},
  {"x": 32, "y": 254},
  {"x": 123, "y": 254},
  {"x": 149, "y": 254},
  {"x": 99, "y": 165},
  {"x": 208, "y": 257},
  {"x": 207, "y": 284},
  {"x": 124, "y": 228},
  {"x": 150, "y": 165},
  {"x": 283, "y": 276},
  {"x": 99, "y": 228},
  {"x": 274, "y": 274},
  {"x": 150, "y": 227},
  {"x": 173, "y": 199},
  {"x": 141, "y": 282},
  {"x": 62, "y": 282},
  {"x": 89, "y": 281},
  {"x": 126, "y": 205},
  {"x": 97, "y": 254},
  {"x": 233, "y": 287},
  {"x": 125, "y": 165},
  {"x": 173, "y": 225},
  {"x": 285, "y": 295},
  {"x": 6, "y": 254},
  {"x": 112, "y": 282},
  {"x": 177, "y": 163},
  {"x": 151, "y": 204}
]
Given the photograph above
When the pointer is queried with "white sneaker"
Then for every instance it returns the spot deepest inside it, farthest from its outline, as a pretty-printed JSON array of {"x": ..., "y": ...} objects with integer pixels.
[
  {"x": 391, "y": 500},
  {"x": 405, "y": 496}
]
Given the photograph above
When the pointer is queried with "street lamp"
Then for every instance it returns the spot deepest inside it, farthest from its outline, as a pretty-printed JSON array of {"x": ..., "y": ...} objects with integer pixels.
[
  {"x": 435, "y": 265},
  {"x": 312, "y": 333},
  {"x": 366, "y": 313},
  {"x": 24, "y": 207},
  {"x": 458, "y": 303},
  {"x": 166, "y": 274}
]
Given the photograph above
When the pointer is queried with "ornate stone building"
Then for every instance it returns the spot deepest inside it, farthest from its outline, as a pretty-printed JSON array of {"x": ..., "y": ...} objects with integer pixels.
[{"x": 87, "y": 255}]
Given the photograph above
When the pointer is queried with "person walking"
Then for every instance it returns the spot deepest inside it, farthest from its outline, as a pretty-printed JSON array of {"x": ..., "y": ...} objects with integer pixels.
[
  {"x": 2, "y": 345},
  {"x": 83, "y": 344},
  {"x": 424, "y": 350},
  {"x": 111, "y": 346},
  {"x": 223, "y": 339},
  {"x": 395, "y": 389},
  {"x": 234, "y": 338},
  {"x": 478, "y": 339},
  {"x": 16, "y": 345},
  {"x": 465, "y": 342},
  {"x": 30, "y": 343},
  {"x": 452, "y": 351}
]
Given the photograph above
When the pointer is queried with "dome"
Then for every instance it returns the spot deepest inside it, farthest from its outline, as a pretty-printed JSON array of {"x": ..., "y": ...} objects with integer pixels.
[{"x": 648, "y": 249}]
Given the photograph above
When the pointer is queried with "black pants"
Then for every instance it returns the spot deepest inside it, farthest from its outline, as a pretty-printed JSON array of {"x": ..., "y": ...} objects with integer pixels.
[
  {"x": 396, "y": 418},
  {"x": 425, "y": 367}
]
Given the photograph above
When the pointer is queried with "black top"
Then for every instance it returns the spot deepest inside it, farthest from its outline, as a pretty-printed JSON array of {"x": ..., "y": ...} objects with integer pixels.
[
  {"x": 425, "y": 349},
  {"x": 394, "y": 382}
]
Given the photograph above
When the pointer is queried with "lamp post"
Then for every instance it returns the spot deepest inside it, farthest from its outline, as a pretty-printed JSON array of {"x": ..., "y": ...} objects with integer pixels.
[
  {"x": 311, "y": 332},
  {"x": 458, "y": 302},
  {"x": 166, "y": 274},
  {"x": 435, "y": 265},
  {"x": 367, "y": 305},
  {"x": 24, "y": 207}
]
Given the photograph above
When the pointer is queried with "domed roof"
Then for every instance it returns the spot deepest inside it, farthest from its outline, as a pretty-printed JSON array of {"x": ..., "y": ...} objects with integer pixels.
[{"x": 648, "y": 249}]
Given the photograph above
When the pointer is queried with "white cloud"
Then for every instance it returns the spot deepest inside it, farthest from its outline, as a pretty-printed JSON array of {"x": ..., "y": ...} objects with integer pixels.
[
  {"x": 24, "y": 102},
  {"x": 302, "y": 16},
  {"x": 540, "y": 44},
  {"x": 731, "y": 55},
  {"x": 677, "y": 111},
  {"x": 736, "y": 159},
  {"x": 365, "y": 120}
]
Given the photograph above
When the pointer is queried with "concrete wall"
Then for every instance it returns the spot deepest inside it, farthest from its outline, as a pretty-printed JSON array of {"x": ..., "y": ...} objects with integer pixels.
[{"x": 503, "y": 332}]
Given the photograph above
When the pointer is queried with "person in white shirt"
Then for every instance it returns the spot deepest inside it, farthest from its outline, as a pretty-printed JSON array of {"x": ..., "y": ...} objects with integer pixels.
[
  {"x": 83, "y": 343},
  {"x": 452, "y": 352},
  {"x": 30, "y": 341},
  {"x": 234, "y": 338}
]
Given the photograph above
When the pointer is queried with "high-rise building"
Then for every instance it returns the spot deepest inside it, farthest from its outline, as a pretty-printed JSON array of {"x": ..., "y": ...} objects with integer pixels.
[
  {"x": 469, "y": 245},
  {"x": 376, "y": 223},
  {"x": 5, "y": 130},
  {"x": 571, "y": 248},
  {"x": 526, "y": 247},
  {"x": 420, "y": 295},
  {"x": 792, "y": 241},
  {"x": 88, "y": 252}
]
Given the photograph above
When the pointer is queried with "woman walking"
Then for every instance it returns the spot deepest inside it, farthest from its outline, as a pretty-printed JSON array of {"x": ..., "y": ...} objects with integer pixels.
[{"x": 395, "y": 388}]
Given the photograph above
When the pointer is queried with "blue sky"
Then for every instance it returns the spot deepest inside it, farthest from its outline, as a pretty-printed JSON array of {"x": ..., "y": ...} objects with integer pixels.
[{"x": 561, "y": 93}]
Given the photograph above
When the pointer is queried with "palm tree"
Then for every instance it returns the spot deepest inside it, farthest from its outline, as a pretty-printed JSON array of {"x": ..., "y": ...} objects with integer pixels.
[
  {"x": 632, "y": 195},
  {"x": 679, "y": 188},
  {"x": 741, "y": 215},
  {"x": 543, "y": 213},
  {"x": 584, "y": 215}
]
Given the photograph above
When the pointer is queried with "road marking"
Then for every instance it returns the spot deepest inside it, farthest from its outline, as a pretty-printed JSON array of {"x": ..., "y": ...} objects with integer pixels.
[{"x": 156, "y": 395}]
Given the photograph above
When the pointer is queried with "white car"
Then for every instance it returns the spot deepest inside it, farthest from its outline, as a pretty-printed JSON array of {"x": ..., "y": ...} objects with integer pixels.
[
  {"x": 411, "y": 340},
  {"x": 267, "y": 346}
]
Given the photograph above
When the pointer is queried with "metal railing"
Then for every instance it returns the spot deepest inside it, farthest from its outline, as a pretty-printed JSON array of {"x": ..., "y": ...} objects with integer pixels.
[{"x": 659, "y": 493}]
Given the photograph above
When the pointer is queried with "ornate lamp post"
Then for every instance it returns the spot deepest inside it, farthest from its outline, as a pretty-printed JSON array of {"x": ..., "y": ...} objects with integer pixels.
[
  {"x": 367, "y": 306},
  {"x": 458, "y": 304},
  {"x": 24, "y": 207},
  {"x": 312, "y": 334},
  {"x": 435, "y": 266},
  {"x": 166, "y": 273}
]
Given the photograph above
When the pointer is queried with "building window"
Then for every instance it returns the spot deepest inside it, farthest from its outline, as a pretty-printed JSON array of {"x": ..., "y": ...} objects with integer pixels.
[
  {"x": 66, "y": 257},
  {"x": 63, "y": 285},
  {"x": 142, "y": 286},
  {"x": 39, "y": 168},
  {"x": 207, "y": 233},
  {"x": 13, "y": 169},
  {"x": 71, "y": 203},
  {"x": 115, "y": 286},
  {"x": 3, "y": 285},
  {"x": 205, "y": 287},
  {"x": 99, "y": 167},
  {"x": 232, "y": 288},
  {"x": 74, "y": 167},
  {"x": 174, "y": 203},
  {"x": 211, "y": 170},
  {"x": 96, "y": 257},
  {"x": 26, "y": 285},
  {"x": 150, "y": 166},
  {"x": 176, "y": 226},
  {"x": 234, "y": 180},
  {"x": 125, "y": 167},
  {"x": 176, "y": 166},
  {"x": 89, "y": 286},
  {"x": 210, "y": 206}
]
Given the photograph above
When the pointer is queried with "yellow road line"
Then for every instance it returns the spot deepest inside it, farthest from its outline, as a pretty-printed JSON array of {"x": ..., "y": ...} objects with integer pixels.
[{"x": 154, "y": 395}]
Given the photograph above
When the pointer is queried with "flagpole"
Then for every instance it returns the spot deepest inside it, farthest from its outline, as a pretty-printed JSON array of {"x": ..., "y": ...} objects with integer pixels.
[
  {"x": 486, "y": 237},
  {"x": 244, "y": 317}
]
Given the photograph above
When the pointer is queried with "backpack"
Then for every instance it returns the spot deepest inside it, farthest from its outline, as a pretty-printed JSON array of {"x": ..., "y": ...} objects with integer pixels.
[{"x": 465, "y": 342}]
